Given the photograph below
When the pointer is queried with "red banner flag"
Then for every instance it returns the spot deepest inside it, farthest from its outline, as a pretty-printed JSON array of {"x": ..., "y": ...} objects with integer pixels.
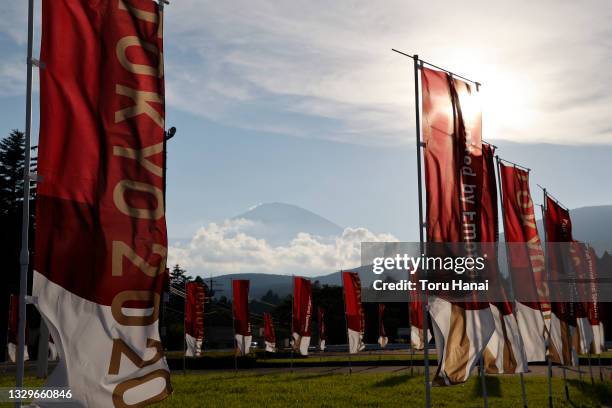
[
  {"x": 526, "y": 262},
  {"x": 269, "y": 334},
  {"x": 101, "y": 240},
  {"x": 322, "y": 334},
  {"x": 453, "y": 181},
  {"x": 194, "y": 318},
  {"x": 415, "y": 314},
  {"x": 583, "y": 337},
  {"x": 302, "y": 314},
  {"x": 382, "y": 335},
  {"x": 355, "y": 319},
  {"x": 593, "y": 306},
  {"x": 504, "y": 353},
  {"x": 13, "y": 323},
  {"x": 242, "y": 323},
  {"x": 563, "y": 319}
]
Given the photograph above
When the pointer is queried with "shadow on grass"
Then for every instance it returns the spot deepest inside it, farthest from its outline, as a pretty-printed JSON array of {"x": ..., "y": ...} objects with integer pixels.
[
  {"x": 493, "y": 387},
  {"x": 297, "y": 377},
  {"x": 599, "y": 392},
  {"x": 392, "y": 381}
]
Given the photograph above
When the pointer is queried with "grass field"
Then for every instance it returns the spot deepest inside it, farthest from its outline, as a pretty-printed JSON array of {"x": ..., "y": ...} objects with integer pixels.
[
  {"x": 223, "y": 389},
  {"x": 259, "y": 358}
]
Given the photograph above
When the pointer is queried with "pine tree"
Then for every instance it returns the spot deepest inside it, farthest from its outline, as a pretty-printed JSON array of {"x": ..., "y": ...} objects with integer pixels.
[
  {"x": 12, "y": 159},
  {"x": 178, "y": 277}
]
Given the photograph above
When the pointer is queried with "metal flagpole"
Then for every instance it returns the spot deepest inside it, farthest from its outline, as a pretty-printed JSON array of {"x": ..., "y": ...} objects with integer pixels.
[
  {"x": 379, "y": 335},
  {"x": 500, "y": 190},
  {"x": 234, "y": 329},
  {"x": 591, "y": 369},
  {"x": 483, "y": 382},
  {"x": 419, "y": 146},
  {"x": 348, "y": 340},
  {"x": 291, "y": 340},
  {"x": 549, "y": 343},
  {"x": 244, "y": 350},
  {"x": 600, "y": 371},
  {"x": 185, "y": 327},
  {"x": 410, "y": 341},
  {"x": 24, "y": 258},
  {"x": 565, "y": 383},
  {"x": 42, "y": 363}
]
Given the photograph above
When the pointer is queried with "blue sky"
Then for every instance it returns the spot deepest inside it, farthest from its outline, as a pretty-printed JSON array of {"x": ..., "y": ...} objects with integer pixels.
[{"x": 304, "y": 103}]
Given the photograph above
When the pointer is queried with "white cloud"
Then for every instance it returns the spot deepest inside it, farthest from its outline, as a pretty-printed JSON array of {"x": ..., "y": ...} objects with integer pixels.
[
  {"x": 226, "y": 248},
  {"x": 545, "y": 65},
  {"x": 322, "y": 69},
  {"x": 12, "y": 76}
]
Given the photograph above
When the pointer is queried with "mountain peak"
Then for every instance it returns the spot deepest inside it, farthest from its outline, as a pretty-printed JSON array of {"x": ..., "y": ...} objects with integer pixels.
[{"x": 279, "y": 223}]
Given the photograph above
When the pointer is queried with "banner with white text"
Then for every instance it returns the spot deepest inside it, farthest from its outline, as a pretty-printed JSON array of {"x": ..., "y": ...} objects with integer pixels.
[{"x": 101, "y": 242}]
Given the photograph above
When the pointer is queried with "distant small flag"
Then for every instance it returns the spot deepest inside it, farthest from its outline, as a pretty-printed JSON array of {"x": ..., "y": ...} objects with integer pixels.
[
  {"x": 415, "y": 311},
  {"x": 195, "y": 297},
  {"x": 242, "y": 324},
  {"x": 322, "y": 334},
  {"x": 269, "y": 334},
  {"x": 593, "y": 304},
  {"x": 584, "y": 336},
  {"x": 382, "y": 334},
  {"x": 563, "y": 318},
  {"x": 13, "y": 323},
  {"x": 354, "y": 312},
  {"x": 301, "y": 314}
]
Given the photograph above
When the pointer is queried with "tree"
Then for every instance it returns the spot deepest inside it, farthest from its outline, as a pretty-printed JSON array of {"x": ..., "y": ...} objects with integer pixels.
[
  {"x": 271, "y": 298},
  {"x": 12, "y": 161},
  {"x": 178, "y": 277}
]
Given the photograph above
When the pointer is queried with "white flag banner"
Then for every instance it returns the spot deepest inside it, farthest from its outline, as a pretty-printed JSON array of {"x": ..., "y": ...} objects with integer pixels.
[
  {"x": 504, "y": 353},
  {"x": 461, "y": 336},
  {"x": 243, "y": 343}
]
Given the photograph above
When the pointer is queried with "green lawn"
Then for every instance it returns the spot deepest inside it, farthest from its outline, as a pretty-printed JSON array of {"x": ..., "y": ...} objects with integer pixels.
[
  {"x": 220, "y": 360},
  {"x": 362, "y": 390},
  {"x": 369, "y": 390}
]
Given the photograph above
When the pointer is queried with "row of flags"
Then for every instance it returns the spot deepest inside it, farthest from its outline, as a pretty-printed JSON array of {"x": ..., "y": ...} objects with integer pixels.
[
  {"x": 301, "y": 317},
  {"x": 461, "y": 207},
  {"x": 101, "y": 240}
]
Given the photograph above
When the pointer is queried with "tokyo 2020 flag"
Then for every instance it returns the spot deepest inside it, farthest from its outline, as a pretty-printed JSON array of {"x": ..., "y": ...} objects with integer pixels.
[
  {"x": 269, "y": 334},
  {"x": 415, "y": 316},
  {"x": 382, "y": 334},
  {"x": 526, "y": 260},
  {"x": 563, "y": 318},
  {"x": 101, "y": 243},
  {"x": 194, "y": 318},
  {"x": 302, "y": 314},
  {"x": 242, "y": 323},
  {"x": 504, "y": 353},
  {"x": 593, "y": 305},
  {"x": 355, "y": 320},
  {"x": 453, "y": 182},
  {"x": 322, "y": 334}
]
